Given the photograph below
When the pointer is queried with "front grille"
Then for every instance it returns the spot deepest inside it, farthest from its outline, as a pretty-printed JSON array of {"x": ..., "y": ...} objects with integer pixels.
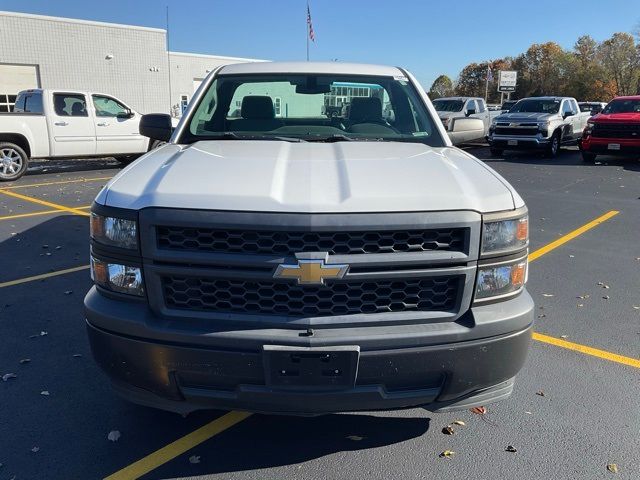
[
  {"x": 528, "y": 131},
  {"x": 616, "y": 130},
  {"x": 289, "y": 299},
  {"x": 291, "y": 242}
]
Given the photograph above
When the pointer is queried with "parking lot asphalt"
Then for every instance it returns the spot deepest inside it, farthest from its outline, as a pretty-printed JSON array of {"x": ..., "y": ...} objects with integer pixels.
[{"x": 575, "y": 409}]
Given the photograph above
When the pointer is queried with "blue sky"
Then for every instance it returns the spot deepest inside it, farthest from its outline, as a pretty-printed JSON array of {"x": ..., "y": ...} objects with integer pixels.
[{"x": 428, "y": 37}]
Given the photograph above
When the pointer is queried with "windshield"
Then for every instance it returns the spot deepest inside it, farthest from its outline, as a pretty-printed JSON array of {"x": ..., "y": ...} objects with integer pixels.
[
  {"x": 622, "y": 106},
  {"x": 301, "y": 107},
  {"x": 448, "y": 105},
  {"x": 508, "y": 105},
  {"x": 536, "y": 105}
]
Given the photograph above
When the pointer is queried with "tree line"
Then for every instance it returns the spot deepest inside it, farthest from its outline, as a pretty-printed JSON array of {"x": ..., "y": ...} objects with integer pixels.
[{"x": 589, "y": 71}]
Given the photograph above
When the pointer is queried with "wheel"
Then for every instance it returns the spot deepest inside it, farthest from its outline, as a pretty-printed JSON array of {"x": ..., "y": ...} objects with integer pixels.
[
  {"x": 588, "y": 157},
  {"x": 554, "y": 146},
  {"x": 13, "y": 162},
  {"x": 496, "y": 152}
]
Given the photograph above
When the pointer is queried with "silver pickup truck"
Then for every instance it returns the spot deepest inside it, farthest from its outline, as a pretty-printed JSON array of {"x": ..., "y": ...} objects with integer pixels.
[
  {"x": 538, "y": 123},
  {"x": 293, "y": 261}
]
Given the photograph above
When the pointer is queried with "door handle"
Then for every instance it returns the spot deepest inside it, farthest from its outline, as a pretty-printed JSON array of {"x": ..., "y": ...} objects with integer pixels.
[
  {"x": 61, "y": 124},
  {"x": 103, "y": 124}
]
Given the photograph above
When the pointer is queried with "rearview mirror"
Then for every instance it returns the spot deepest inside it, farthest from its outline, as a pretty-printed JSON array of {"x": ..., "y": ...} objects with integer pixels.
[
  {"x": 126, "y": 114},
  {"x": 156, "y": 126}
]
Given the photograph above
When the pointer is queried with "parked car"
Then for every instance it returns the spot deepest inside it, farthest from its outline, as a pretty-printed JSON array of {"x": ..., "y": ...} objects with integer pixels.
[
  {"x": 538, "y": 123},
  {"x": 593, "y": 107},
  {"x": 67, "y": 123},
  {"x": 459, "y": 107},
  {"x": 301, "y": 265},
  {"x": 616, "y": 130},
  {"x": 507, "y": 104}
]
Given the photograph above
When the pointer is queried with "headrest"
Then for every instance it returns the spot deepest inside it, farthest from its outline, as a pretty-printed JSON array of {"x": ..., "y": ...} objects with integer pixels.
[
  {"x": 257, "y": 107},
  {"x": 77, "y": 108},
  {"x": 365, "y": 109}
]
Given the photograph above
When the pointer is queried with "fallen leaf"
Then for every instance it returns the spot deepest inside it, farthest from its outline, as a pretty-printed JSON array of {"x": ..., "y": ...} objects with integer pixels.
[
  {"x": 478, "y": 410},
  {"x": 45, "y": 393},
  {"x": 25, "y": 360},
  {"x": 510, "y": 448},
  {"x": 35, "y": 449},
  {"x": 7, "y": 376},
  {"x": 542, "y": 315},
  {"x": 459, "y": 422},
  {"x": 540, "y": 393},
  {"x": 564, "y": 336},
  {"x": 43, "y": 333},
  {"x": 114, "y": 435},
  {"x": 636, "y": 307},
  {"x": 580, "y": 305},
  {"x": 605, "y": 297},
  {"x": 571, "y": 256},
  {"x": 447, "y": 454},
  {"x": 448, "y": 430},
  {"x": 355, "y": 438},
  {"x": 547, "y": 295},
  {"x": 77, "y": 355},
  {"x": 606, "y": 286},
  {"x": 612, "y": 467},
  {"x": 528, "y": 413},
  {"x": 194, "y": 459},
  {"x": 68, "y": 292}
]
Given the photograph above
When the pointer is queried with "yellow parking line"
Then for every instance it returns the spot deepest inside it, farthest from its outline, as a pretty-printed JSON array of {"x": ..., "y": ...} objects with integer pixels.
[
  {"x": 43, "y": 276},
  {"x": 44, "y": 212},
  {"x": 62, "y": 208},
  {"x": 571, "y": 235},
  {"x": 180, "y": 446},
  {"x": 61, "y": 182},
  {"x": 595, "y": 352}
]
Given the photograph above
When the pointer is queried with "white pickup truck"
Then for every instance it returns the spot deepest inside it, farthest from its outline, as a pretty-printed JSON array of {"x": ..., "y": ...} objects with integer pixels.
[
  {"x": 64, "y": 123},
  {"x": 538, "y": 123},
  {"x": 296, "y": 261}
]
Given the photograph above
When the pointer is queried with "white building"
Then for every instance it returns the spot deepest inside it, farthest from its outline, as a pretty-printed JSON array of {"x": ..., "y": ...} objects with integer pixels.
[{"x": 129, "y": 62}]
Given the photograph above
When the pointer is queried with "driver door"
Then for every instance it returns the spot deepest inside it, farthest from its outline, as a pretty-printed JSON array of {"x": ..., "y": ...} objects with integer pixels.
[{"x": 117, "y": 128}]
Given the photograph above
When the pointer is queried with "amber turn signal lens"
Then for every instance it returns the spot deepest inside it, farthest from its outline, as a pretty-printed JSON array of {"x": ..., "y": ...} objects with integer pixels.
[
  {"x": 522, "y": 230},
  {"x": 518, "y": 274}
]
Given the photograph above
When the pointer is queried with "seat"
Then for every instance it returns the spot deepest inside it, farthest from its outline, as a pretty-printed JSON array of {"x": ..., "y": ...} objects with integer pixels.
[
  {"x": 78, "y": 110},
  {"x": 365, "y": 116},
  {"x": 257, "y": 115}
]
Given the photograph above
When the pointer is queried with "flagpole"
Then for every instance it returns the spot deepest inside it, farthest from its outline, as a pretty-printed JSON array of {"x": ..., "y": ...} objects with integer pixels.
[{"x": 486, "y": 86}]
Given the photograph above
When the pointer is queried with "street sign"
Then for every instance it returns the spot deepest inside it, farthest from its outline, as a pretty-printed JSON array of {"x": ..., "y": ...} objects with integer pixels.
[{"x": 507, "y": 81}]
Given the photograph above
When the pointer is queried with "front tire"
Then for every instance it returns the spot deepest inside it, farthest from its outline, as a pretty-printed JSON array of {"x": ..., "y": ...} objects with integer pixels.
[
  {"x": 14, "y": 162},
  {"x": 554, "y": 146},
  {"x": 588, "y": 157}
]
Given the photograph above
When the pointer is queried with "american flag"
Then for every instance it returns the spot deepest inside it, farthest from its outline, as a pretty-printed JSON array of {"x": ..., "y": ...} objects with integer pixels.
[
  {"x": 312, "y": 35},
  {"x": 489, "y": 74}
]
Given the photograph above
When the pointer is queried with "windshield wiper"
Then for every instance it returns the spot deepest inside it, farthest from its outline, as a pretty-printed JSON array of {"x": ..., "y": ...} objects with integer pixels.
[{"x": 235, "y": 136}]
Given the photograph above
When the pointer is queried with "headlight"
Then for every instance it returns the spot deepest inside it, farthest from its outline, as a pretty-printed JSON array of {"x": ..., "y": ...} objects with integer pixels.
[
  {"x": 116, "y": 232},
  {"x": 117, "y": 278},
  {"x": 504, "y": 236},
  {"x": 503, "y": 279},
  {"x": 588, "y": 129}
]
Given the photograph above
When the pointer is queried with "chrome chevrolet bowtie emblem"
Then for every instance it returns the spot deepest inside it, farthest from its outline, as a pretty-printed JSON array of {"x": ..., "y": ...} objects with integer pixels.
[{"x": 311, "y": 271}]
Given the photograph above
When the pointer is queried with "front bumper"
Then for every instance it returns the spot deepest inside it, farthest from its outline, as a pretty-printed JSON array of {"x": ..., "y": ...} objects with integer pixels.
[
  {"x": 505, "y": 142},
  {"x": 600, "y": 145},
  {"x": 436, "y": 366}
]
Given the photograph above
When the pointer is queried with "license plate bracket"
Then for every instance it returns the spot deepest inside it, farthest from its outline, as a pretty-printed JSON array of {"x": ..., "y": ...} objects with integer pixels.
[
  {"x": 512, "y": 142},
  {"x": 613, "y": 146},
  {"x": 311, "y": 367}
]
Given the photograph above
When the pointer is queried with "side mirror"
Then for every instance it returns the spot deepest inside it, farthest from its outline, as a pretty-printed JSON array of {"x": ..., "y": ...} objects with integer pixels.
[
  {"x": 471, "y": 111},
  {"x": 156, "y": 126},
  {"x": 567, "y": 114},
  {"x": 596, "y": 111},
  {"x": 126, "y": 114},
  {"x": 466, "y": 130}
]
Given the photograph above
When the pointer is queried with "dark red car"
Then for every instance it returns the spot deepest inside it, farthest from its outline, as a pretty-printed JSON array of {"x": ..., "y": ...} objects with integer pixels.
[{"x": 615, "y": 130}]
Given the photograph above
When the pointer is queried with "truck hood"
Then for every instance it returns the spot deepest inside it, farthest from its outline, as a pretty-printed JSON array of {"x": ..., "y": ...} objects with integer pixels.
[
  {"x": 631, "y": 117},
  {"x": 524, "y": 117},
  {"x": 278, "y": 176}
]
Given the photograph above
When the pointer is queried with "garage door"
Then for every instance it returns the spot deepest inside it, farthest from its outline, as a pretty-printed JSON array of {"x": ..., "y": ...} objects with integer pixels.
[{"x": 14, "y": 78}]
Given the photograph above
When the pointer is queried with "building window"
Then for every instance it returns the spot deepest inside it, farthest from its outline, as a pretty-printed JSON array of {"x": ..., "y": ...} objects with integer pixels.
[
  {"x": 277, "y": 106},
  {"x": 7, "y": 102}
]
